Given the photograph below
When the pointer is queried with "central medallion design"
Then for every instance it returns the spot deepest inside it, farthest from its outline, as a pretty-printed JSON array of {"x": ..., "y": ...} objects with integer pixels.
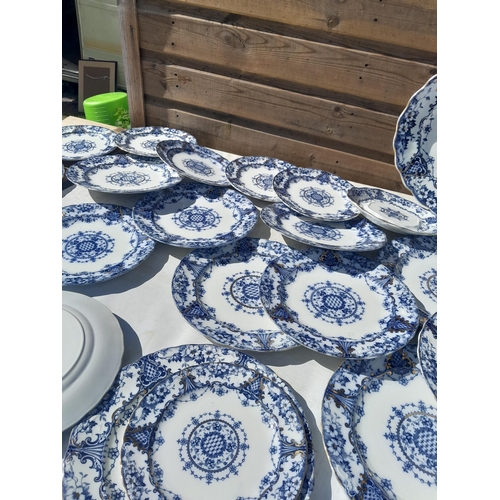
[
  {"x": 316, "y": 197},
  {"x": 127, "y": 178},
  {"x": 334, "y": 303},
  {"x": 213, "y": 446},
  {"x": 263, "y": 181},
  {"x": 242, "y": 292},
  {"x": 197, "y": 218},
  {"x": 198, "y": 167},
  {"x": 82, "y": 146},
  {"x": 87, "y": 246},
  {"x": 317, "y": 231}
]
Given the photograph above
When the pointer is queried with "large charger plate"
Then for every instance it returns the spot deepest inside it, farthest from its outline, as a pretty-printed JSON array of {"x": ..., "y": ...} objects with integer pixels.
[
  {"x": 253, "y": 175},
  {"x": 100, "y": 242},
  {"x": 195, "y": 215},
  {"x": 393, "y": 212},
  {"x": 142, "y": 141},
  {"x": 84, "y": 141},
  {"x": 195, "y": 162},
  {"x": 394, "y": 430},
  {"x": 339, "y": 303},
  {"x": 413, "y": 259},
  {"x": 91, "y": 466},
  {"x": 317, "y": 194},
  {"x": 355, "y": 235},
  {"x": 338, "y": 405},
  {"x": 92, "y": 349},
  {"x": 217, "y": 292},
  {"x": 123, "y": 174},
  {"x": 415, "y": 144},
  {"x": 214, "y": 431}
]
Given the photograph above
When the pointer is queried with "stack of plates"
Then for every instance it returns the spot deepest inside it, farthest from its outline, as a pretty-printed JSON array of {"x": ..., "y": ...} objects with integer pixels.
[{"x": 191, "y": 422}]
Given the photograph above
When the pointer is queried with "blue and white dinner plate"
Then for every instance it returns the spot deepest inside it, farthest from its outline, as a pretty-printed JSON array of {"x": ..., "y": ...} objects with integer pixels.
[
  {"x": 394, "y": 430},
  {"x": 415, "y": 145},
  {"x": 91, "y": 464},
  {"x": 337, "y": 413},
  {"x": 253, "y": 175},
  {"x": 339, "y": 303},
  {"x": 356, "y": 235},
  {"x": 195, "y": 215},
  {"x": 413, "y": 259},
  {"x": 217, "y": 292},
  {"x": 394, "y": 212},
  {"x": 194, "y": 161},
  {"x": 85, "y": 141},
  {"x": 427, "y": 352},
  {"x": 214, "y": 431},
  {"x": 142, "y": 141},
  {"x": 317, "y": 194},
  {"x": 123, "y": 174},
  {"x": 100, "y": 242}
]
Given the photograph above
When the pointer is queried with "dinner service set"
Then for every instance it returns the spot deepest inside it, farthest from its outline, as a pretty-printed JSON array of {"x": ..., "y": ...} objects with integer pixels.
[{"x": 209, "y": 421}]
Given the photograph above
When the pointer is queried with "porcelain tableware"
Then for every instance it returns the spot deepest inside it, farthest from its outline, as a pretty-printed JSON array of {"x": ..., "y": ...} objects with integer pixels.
[
  {"x": 217, "y": 291},
  {"x": 142, "y": 141},
  {"x": 195, "y": 215},
  {"x": 337, "y": 414},
  {"x": 253, "y": 175},
  {"x": 317, "y": 194},
  {"x": 90, "y": 464},
  {"x": 394, "y": 212},
  {"x": 339, "y": 303},
  {"x": 415, "y": 144},
  {"x": 123, "y": 174},
  {"x": 100, "y": 242},
  {"x": 357, "y": 235},
  {"x": 427, "y": 352},
  {"x": 194, "y": 161},
  {"x": 394, "y": 429},
  {"x": 85, "y": 141},
  {"x": 92, "y": 349},
  {"x": 214, "y": 431}
]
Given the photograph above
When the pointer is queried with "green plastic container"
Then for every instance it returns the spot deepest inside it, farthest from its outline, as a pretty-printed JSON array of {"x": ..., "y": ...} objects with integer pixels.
[{"x": 102, "y": 107}]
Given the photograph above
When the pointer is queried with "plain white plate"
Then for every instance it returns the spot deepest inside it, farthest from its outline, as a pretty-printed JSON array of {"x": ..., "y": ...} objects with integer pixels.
[{"x": 92, "y": 349}]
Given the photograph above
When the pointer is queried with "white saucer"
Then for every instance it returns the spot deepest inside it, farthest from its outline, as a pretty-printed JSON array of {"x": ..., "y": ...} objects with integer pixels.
[{"x": 92, "y": 349}]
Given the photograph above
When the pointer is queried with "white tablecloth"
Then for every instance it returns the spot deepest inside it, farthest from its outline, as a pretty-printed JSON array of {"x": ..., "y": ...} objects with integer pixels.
[{"x": 143, "y": 304}]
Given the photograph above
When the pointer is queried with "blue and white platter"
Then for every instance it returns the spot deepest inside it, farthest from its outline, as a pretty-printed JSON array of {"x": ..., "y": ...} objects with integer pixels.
[
  {"x": 142, "y": 141},
  {"x": 217, "y": 430},
  {"x": 195, "y": 162},
  {"x": 337, "y": 414},
  {"x": 92, "y": 349},
  {"x": 357, "y": 235},
  {"x": 427, "y": 352},
  {"x": 123, "y": 174},
  {"x": 195, "y": 215},
  {"x": 413, "y": 259},
  {"x": 253, "y": 175},
  {"x": 415, "y": 145},
  {"x": 85, "y": 141},
  {"x": 394, "y": 212},
  {"x": 394, "y": 430},
  {"x": 339, "y": 303},
  {"x": 100, "y": 242},
  {"x": 317, "y": 194},
  {"x": 217, "y": 292},
  {"x": 91, "y": 464}
]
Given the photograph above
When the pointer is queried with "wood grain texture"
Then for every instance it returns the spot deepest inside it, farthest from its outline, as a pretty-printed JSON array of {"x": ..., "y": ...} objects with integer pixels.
[
  {"x": 407, "y": 23},
  {"x": 129, "y": 29},
  {"x": 368, "y": 76},
  {"x": 320, "y": 119},
  {"x": 226, "y": 136}
]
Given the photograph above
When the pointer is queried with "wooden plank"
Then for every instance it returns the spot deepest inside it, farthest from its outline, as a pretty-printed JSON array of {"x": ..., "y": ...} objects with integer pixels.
[
  {"x": 408, "y": 23},
  {"x": 322, "y": 119},
  {"x": 236, "y": 139},
  {"x": 129, "y": 31},
  {"x": 269, "y": 56}
]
